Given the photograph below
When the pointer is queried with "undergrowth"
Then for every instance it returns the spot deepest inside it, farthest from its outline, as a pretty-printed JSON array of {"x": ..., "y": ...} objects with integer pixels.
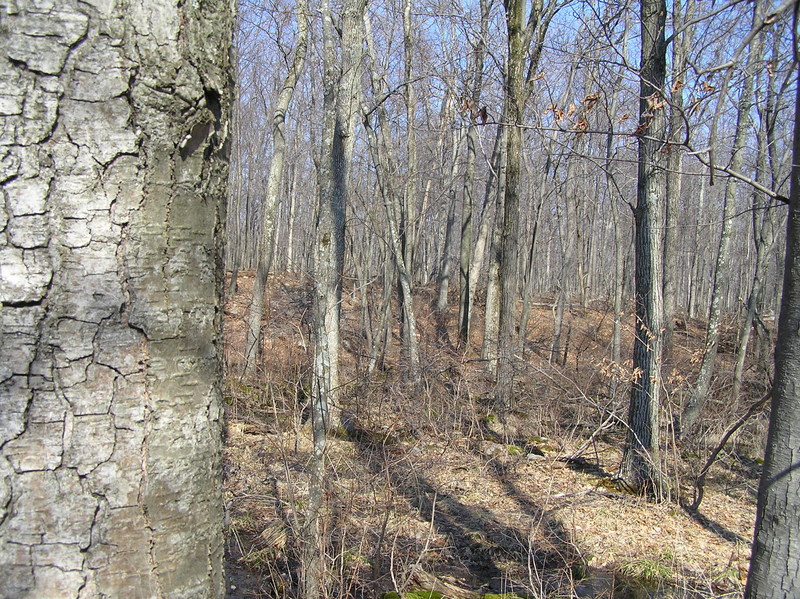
[{"x": 433, "y": 485}]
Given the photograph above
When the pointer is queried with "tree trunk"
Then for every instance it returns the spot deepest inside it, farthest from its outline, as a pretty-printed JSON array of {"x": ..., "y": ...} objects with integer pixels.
[
  {"x": 445, "y": 268},
  {"x": 701, "y": 389},
  {"x": 290, "y": 260},
  {"x": 764, "y": 228},
  {"x": 234, "y": 223},
  {"x": 568, "y": 228},
  {"x": 509, "y": 238},
  {"x": 492, "y": 312},
  {"x": 527, "y": 289},
  {"x": 111, "y": 420},
  {"x": 341, "y": 84},
  {"x": 392, "y": 201},
  {"x": 640, "y": 466},
  {"x": 269, "y": 220},
  {"x": 680, "y": 50},
  {"x": 775, "y": 560},
  {"x": 466, "y": 278},
  {"x": 492, "y": 199},
  {"x": 697, "y": 266},
  {"x": 619, "y": 256}
]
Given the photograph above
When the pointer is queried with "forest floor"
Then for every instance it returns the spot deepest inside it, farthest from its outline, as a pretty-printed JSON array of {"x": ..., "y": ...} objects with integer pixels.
[{"x": 431, "y": 489}]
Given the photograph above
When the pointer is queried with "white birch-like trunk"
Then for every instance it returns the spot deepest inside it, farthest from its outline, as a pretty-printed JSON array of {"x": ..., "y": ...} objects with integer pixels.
[{"x": 341, "y": 80}]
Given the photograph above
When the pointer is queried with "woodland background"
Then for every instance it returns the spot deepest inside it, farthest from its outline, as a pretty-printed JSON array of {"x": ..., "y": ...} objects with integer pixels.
[{"x": 462, "y": 455}]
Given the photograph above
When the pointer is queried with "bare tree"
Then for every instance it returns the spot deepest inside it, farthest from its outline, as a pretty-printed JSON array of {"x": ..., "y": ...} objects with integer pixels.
[
  {"x": 521, "y": 33},
  {"x": 269, "y": 210},
  {"x": 641, "y": 468},
  {"x": 721, "y": 274},
  {"x": 341, "y": 83},
  {"x": 393, "y": 204},
  {"x": 681, "y": 43},
  {"x": 474, "y": 111},
  {"x": 764, "y": 217}
]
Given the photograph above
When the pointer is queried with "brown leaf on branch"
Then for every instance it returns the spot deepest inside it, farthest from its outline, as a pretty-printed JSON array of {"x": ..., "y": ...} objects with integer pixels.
[
  {"x": 677, "y": 85},
  {"x": 642, "y": 127},
  {"x": 624, "y": 117},
  {"x": 572, "y": 110},
  {"x": 656, "y": 102},
  {"x": 581, "y": 126},
  {"x": 590, "y": 100}
]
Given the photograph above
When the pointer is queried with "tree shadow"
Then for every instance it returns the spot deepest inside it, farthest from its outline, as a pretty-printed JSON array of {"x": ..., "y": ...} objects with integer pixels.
[
  {"x": 715, "y": 527},
  {"x": 481, "y": 541}
]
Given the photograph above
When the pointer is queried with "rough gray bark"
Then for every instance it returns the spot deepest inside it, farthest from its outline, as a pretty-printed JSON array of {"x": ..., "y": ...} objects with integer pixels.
[
  {"x": 341, "y": 87},
  {"x": 493, "y": 198},
  {"x": 269, "y": 211},
  {"x": 775, "y": 561},
  {"x": 491, "y": 325},
  {"x": 640, "y": 467},
  {"x": 465, "y": 251},
  {"x": 114, "y": 131},
  {"x": 520, "y": 35},
  {"x": 445, "y": 268}
]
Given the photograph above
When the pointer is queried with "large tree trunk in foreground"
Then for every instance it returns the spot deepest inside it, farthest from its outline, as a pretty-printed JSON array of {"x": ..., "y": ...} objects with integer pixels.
[
  {"x": 110, "y": 428},
  {"x": 775, "y": 561},
  {"x": 640, "y": 466}
]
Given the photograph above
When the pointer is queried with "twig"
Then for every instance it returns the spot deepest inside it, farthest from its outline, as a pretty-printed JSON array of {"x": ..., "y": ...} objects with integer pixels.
[
  {"x": 606, "y": 425},
  {"x": 699, "y": 483}
]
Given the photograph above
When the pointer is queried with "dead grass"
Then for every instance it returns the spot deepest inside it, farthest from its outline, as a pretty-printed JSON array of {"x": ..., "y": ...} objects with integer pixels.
[{"x": 432, "y": 481}]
